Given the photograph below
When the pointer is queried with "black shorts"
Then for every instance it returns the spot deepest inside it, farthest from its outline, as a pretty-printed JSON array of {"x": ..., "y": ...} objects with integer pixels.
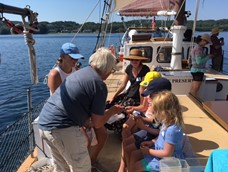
[{"x": 198, "y": 76}]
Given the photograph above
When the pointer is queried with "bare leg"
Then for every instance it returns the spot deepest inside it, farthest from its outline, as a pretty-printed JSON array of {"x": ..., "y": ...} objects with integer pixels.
[
  {"x": 122, "y": 167},
  {"x": 101, "y": 135},
  {"x": 128, "y": 150},
  {"x": 135, "y": 161},
  {"x": 195, "y": 87},
  {"x": 125, "y": 142}
]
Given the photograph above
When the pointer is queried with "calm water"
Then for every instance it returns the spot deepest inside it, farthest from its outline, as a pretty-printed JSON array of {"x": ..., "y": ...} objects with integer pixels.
[{"x": 15, "y": 70}]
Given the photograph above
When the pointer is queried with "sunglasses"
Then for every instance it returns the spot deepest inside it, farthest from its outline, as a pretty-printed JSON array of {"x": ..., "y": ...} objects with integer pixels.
[
  {"x": 71, "y": 57},
  {"x": 134, "y": 60}
]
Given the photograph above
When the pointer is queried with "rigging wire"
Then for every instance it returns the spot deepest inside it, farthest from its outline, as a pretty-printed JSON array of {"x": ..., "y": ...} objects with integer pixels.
[
  {"x": 169, "y": 31},
  {"x": 193, "y": 30},
  {"x": 85, "y": 21}
]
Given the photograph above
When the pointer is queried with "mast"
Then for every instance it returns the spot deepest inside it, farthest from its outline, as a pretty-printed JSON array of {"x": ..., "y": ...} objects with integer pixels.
[
  {"x": 178, "y": 33},
  {"x": 101, "y": 37}
]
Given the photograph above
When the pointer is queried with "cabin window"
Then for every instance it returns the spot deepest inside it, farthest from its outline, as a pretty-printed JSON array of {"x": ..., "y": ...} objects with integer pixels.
[
  {"x": 164, "y": 54},
  {"x": 146, "y": 52}
]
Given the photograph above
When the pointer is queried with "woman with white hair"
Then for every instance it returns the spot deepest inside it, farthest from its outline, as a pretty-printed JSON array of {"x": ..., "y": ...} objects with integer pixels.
[{"x": 81, "y": 97}]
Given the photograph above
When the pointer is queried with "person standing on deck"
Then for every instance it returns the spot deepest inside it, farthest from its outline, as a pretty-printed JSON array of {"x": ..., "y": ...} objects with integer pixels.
[
  {"x": 65, "y": 65},
  {"x": 216, "y": 49},
  {"x": 199, "y": 60},
  {"x": 80, "y": 97}
]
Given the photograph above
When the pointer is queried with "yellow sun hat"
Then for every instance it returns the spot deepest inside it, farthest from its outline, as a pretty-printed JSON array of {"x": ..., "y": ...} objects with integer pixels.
[{"x": 149, "y": 77}]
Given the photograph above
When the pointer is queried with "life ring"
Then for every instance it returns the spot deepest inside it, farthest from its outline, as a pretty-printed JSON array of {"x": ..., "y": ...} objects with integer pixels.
[{"x": 219, "y": 87}]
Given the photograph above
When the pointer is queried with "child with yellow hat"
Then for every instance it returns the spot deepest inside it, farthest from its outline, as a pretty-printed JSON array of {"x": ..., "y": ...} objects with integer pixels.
[{"x": 143, "y": 104}]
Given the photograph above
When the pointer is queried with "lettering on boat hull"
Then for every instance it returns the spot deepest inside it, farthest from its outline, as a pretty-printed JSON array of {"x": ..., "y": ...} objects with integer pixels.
[{"x": 181, "y": 80}]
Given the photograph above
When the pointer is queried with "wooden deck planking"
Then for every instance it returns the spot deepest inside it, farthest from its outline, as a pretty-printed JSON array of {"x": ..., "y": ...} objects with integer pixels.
[
  {"x": 219, "y": 111},
  {"x": 204, "y": 133}
]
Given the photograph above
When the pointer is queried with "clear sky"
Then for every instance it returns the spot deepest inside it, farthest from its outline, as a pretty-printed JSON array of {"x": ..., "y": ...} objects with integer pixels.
[{"x": 79, "y": 10}]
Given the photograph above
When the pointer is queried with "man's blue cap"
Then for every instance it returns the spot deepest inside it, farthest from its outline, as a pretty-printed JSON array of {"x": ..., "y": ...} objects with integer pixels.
[
  {"x": 71, "y": 50},
  {"x": 156, "y": 85}
]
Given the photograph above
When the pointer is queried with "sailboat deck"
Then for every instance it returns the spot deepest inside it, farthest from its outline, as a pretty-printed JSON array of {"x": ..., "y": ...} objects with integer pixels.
[
  {"x": 204, "y": 133},
  {"x": 217, "y": 109}
]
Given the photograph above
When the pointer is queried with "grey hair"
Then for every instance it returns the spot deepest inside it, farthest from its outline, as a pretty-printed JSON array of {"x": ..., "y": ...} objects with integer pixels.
[{"x": 103, "y": 60}]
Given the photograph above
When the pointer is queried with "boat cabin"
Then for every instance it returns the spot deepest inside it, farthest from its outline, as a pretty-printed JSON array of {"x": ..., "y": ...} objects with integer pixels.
[{"x": 159, "y": 50}]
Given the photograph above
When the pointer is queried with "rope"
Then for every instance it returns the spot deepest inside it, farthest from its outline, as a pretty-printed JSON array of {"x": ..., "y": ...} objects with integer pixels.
[
  {"x": 85, "y": 20},
  {"x": 32, "y": 54}
]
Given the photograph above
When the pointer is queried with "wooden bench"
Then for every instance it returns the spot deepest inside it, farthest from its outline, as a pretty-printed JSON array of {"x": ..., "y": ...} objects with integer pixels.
[{"x": 219, "y": 111}]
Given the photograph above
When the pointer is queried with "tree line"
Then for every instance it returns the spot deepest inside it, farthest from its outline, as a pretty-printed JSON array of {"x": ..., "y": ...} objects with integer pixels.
[{"x": 117, "y": 27}]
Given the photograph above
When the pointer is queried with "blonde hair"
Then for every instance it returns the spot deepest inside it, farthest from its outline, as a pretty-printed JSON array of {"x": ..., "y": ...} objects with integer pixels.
[
  {"x": 103, "y": 60},
  {"x": 167, "y": 108}
]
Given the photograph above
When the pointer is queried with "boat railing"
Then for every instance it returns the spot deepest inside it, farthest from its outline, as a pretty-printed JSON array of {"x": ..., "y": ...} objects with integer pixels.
[{"x": 17, "y": 140}]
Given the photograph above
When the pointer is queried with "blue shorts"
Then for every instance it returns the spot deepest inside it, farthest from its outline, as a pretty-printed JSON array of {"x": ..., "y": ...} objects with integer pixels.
[{"x": 142, "y": 136}]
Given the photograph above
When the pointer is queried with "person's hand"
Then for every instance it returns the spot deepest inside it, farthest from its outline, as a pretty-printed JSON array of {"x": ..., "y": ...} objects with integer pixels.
[
  {"x": 89, "y": 123},
  {"x": 129, "y": 109},
  {"x": 144, "y": 149},
  {"x": 135, "y": 118},
  {"x": 111, "y": 100},
  {"x": 147, "y": 144},
  {"x": 117, "y": 109}
]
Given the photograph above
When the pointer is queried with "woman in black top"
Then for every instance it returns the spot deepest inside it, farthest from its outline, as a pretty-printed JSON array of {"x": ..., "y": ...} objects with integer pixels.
[{"x": 134, "y": 73}]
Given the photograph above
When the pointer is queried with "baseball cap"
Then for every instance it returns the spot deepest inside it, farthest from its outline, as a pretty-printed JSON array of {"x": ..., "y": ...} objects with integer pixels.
[
  {"x": 149, "y": 77},
  {"x": 157, "y": 85},
  {"x": 71, "y": 50}
]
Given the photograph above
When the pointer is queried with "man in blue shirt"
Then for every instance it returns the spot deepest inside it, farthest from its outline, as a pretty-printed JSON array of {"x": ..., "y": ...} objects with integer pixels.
[{"x": 79, "y": 101}]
